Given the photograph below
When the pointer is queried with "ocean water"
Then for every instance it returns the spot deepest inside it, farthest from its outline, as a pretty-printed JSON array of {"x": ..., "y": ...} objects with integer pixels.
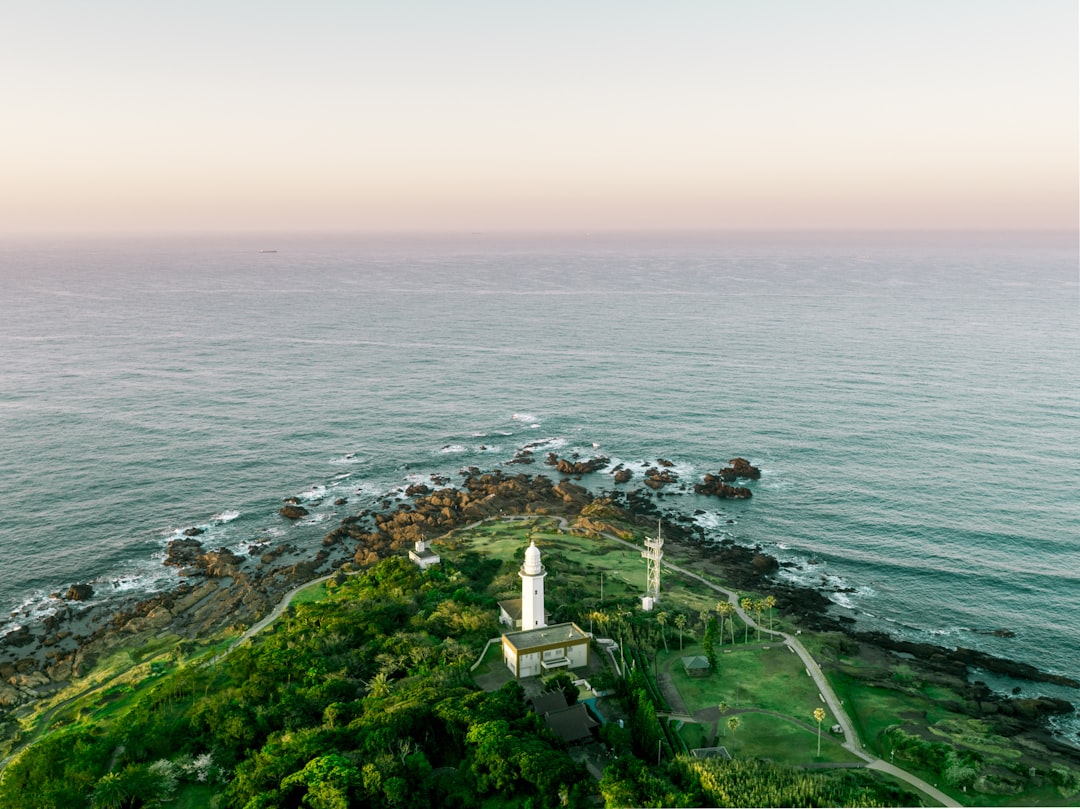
[{"x": 912, "y": 401}]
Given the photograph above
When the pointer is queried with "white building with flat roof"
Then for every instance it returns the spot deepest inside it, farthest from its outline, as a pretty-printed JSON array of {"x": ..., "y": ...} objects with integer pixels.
[{"x": 531, "y": 652}]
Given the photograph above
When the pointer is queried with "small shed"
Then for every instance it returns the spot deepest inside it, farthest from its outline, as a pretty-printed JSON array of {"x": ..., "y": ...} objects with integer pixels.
[{"x": 696, "y": 666}]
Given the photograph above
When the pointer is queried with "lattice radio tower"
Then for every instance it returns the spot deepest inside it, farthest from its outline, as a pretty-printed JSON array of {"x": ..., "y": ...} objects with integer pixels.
[{"x": 652, "y": 555}]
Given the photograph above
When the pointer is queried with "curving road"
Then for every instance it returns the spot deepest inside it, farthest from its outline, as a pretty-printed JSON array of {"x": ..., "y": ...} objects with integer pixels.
[{"x": 851, "y": 738}]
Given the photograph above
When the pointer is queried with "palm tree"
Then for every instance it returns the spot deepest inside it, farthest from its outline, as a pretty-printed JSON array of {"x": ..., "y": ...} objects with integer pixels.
[
  {"x": 819, "y": 715},
  {"x": 747, "y": 604},
  {"x": 680, "y": 624},
  {"x": 770, "y": 602},
  {"x": 704, "y": 615},
  {"x": 726, "y": 610},
  {"x": 759, "y": 607},
  {"x": 661, "y": 619},
  {"x": 110, "y": 792},
  {"x": 379, "y": 685},
  {"x": 733, "y": 724}
]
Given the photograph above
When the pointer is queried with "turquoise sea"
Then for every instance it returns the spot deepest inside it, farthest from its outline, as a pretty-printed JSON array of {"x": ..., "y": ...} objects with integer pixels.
[{"x": 913, "y": 401}]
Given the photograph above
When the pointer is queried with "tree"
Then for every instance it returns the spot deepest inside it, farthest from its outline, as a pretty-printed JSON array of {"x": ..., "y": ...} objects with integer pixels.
[
  {"x": 726, "y": 610},
  {"x": 680, "y": 624},
  {"x": 704, "y": 616},
  {"x": 733, "y": 724},
  {"x": 759, "y": 607},
  {"x": 110, "y": 792},
  {"x": 770, "y": 602},
  {"x": 661, "y": 619},
  {"x": 747, "y": 604},
  {"x": 708, "y": 643},
  {"x": 379, "y": 685},
  {"x": 819, "y": 715}
]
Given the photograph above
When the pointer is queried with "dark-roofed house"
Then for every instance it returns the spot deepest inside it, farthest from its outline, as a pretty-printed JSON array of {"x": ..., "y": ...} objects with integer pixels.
[
  {"x": 549, "y": 701},
  {"x": 572, "y": 724}
]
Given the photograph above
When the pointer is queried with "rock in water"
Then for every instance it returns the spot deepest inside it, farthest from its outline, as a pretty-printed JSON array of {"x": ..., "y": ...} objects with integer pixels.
[
  {"x": 79, "y": 592},
  {"x": 293, "y": 512}
]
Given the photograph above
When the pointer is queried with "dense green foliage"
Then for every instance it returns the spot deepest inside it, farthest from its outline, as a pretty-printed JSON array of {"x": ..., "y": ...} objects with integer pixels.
[
  {"x": 364, "y": 698},
  {"x": 751, "y": 782}
]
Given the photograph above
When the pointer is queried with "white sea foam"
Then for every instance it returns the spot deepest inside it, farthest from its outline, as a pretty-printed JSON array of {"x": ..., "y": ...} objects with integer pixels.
[
  {"x": 526, "y": 418},
  {"x": 546, "y": 445},
  {"x": 347, "y": 459},
  {"x": 453, "y": 449},
  {"x": 224, "y": 517}
]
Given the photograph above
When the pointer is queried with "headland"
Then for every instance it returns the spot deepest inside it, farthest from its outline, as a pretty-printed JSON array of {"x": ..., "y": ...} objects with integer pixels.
[{"x": 224, "y": 593}]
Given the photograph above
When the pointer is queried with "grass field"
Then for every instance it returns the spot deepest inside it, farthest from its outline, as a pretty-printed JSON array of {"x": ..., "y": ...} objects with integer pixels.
[{"x": 765, "y": 676}]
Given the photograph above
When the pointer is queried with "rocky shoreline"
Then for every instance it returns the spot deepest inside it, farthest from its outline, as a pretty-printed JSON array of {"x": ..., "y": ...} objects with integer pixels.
[{"x": 220, "y": 589}]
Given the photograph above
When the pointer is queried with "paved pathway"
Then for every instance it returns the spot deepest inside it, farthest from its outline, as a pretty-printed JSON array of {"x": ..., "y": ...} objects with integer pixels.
[{"x": 851, "y": 738}]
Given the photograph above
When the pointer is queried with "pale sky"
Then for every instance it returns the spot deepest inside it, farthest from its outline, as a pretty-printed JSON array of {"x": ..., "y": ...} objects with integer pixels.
[{"x": 148, "y": 115}]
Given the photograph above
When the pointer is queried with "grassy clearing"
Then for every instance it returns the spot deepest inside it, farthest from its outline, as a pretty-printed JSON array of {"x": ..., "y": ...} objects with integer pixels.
[
  {"x": 312, "y": 594},
  {"x": 771, "y": 679},
  {"x": 781, "y": 741}
]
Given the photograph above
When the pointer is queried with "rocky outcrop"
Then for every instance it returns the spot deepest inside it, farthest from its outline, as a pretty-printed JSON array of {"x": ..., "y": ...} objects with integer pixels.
[
  {"x": 656, "y": 479},
  {"x": 576, "y": 467},
  {"x": 183, "y": 552},
  {"x": 715, "y": 486},
  {"x": 79, "y": 592},
  {"x": 740, "y": 468},
  {"x": 291, "y": 511},
  {"x": 622, "y": 475}
]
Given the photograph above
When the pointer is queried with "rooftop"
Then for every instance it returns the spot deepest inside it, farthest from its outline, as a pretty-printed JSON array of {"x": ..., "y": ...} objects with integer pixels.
[{"x": 559, "y": 633}]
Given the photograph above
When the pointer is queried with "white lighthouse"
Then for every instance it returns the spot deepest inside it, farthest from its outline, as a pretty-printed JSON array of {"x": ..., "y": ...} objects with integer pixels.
[{"x": 532, "y": 589}]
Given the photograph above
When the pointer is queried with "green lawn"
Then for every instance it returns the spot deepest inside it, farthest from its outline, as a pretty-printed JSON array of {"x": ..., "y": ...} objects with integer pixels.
[
  {"x": 311, "y": 595},
  {"x": 751, "y": 676},
  {"x": 782, "y": 741}
]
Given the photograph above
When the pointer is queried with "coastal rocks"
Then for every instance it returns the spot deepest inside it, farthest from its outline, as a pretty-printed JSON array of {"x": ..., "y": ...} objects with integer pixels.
[
  {"x": 960, "y": 659},
  {"x": 220, "y": 563},
  {"x": 622, "y": 475},
  {"x": 656, "y": 479},
  {"x": 567, "y": 467},
  {"x": 715, "y": 486},
  {"x": 183, "y": 552},
  {"x": 291, "y": 511},
  {"x": 740, "y": 468},
  {"x": 79, "y": 592},
  {"x": 194, "y": 532}
]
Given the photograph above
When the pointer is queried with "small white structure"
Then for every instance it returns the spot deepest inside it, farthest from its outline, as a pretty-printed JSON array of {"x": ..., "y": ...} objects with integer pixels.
[
  {"x": 510, "y": 613},
  {"x": 423, "y": 556},
  {"x": 532, "y": 590},
  {"x": 535, "y": 651}
]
